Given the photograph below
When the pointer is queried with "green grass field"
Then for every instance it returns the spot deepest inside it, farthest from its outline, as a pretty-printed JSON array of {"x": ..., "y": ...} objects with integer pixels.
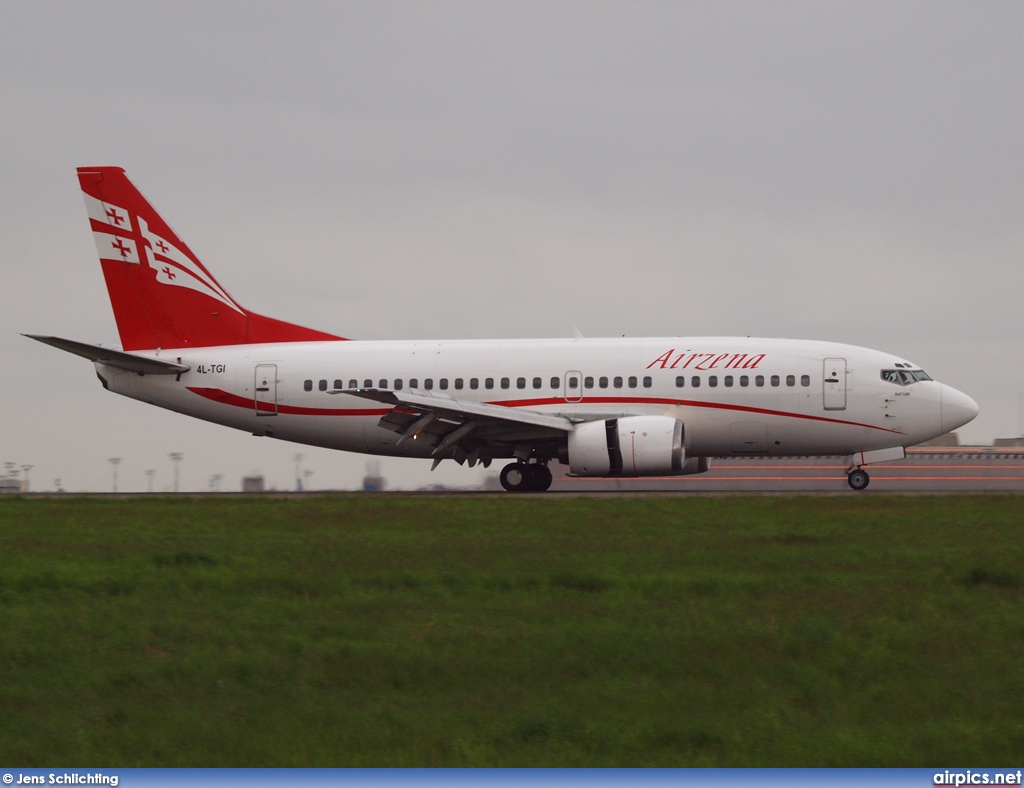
[{"x": 496, "y": 631}]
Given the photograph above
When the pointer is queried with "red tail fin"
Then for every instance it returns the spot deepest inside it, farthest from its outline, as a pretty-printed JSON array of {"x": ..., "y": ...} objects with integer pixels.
[{"x": 161, "y": 294}]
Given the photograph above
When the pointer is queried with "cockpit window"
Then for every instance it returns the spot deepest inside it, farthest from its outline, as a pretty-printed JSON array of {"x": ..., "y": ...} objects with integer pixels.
[{"x": 904, "y": 377}]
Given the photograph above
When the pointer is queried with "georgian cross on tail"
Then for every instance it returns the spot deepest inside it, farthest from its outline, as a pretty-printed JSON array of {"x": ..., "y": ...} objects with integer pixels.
[
  {"x": 161, "y": 294},
  {"x": 600, "y": 406}
]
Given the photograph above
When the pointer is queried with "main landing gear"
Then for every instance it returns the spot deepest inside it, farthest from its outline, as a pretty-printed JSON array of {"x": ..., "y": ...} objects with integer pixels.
[
  {"x": 858, "y": 479},
  {"x": 525, "y": 477}
]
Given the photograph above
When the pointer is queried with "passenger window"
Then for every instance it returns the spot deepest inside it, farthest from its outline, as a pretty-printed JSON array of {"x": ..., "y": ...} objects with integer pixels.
[
  {"x": 728, "y": 381},
  {"x": 322, "y": 385},
  {"x": 617, "y": 382},
  {"x": 648, "y": 381},
  {"x": 680, "y": 381},
  {"x": 308, "y": 385},
  {"x": 744, "y": 381},
  {"x": 338, "y": 384},
  {"x": 759, "y": 381},
  {"x": 574, "y": 381},
  {"x": 383, "y": 383},
  {"x": 489, "y": 383},
  {"x": 713, "y": 380},
  {"x": 414, "y": 383},
  {"x": 428, "y": 384},
  {"x": 398, "y": 384},
  {"x": 632, "y": 382},
  {"x": 775, "y": 380},
  {"x": 790, "y": 380},
  {"x": 805, "y": 380},
  {"x": 695, "y": 381},
  {"x": 505, "y": 383},
  {"x": 458, "y": 383},
  {"x": 367, "y": 384},
  {"x": 474, "y": 384},
  {"x": 443, "y": 384},
  {"x": 537, "y": 383},
  {"x": 353, "y": 384},
  {"x": 588, "y": 382},
  {"x": 520, "y": 383},
  {"x": 602, "y": 383},
  {"x": 555, "y": 382}
]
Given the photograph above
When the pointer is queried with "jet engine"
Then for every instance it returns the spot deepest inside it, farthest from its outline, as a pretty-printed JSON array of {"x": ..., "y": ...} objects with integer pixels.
[{"x": 631, "y": 446}]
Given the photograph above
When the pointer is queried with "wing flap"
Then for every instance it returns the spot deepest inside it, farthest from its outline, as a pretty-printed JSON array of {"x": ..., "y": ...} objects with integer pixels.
[
  {"x": 465, "y": 431},
  {"x": 412, "y": 407}
]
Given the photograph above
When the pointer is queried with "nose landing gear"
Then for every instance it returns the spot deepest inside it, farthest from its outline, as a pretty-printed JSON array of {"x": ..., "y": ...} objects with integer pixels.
[
  {"x": 525, "y": 477},
  {"x": 858, "y": 479}
]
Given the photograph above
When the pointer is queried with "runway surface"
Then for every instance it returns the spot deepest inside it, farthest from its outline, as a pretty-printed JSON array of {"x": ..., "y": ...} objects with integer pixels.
[{"x": 968, "y": 469}]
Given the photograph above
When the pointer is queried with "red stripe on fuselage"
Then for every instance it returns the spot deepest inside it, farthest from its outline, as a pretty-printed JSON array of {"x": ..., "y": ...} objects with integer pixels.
[
  {"x": 218, "y": 395},
  {"x": 688, "y": 403},
  {"x": 226, "y": 398}
]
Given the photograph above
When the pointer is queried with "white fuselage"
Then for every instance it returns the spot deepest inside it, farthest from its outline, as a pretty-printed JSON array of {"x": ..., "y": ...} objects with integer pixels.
[{"x": 739, "y": 396}]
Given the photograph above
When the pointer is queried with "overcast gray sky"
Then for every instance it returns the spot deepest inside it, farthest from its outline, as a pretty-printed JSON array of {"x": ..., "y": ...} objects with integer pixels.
[{"x": 841, "y": 171}]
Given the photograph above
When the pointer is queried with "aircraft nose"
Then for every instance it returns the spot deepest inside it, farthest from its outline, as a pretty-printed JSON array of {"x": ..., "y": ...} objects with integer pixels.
[{"x": 957, "y": 409}]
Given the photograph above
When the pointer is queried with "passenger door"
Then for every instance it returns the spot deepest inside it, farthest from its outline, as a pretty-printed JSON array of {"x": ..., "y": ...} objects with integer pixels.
[
  {"x": 266, "y": 389},
  {"x": 835, "y": 384}
]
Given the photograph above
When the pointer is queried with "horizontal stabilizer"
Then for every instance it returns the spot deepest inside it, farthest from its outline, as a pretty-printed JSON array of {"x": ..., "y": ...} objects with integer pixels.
[{"x": 144, "y": 365}]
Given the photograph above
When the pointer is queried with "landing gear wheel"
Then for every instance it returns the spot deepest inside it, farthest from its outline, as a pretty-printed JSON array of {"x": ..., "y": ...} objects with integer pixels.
[
  {"x": 523, "y": 477},
  {"x": 858, "y": 479},
  {"x": 541, "y": 478},
  {"x": 515, "y": 477}
]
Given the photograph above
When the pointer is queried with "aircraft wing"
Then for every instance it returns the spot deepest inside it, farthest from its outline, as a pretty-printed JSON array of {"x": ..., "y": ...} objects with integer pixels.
[
  {"x": 467, "y": 428},
  {"x": 143, "y": 365}
]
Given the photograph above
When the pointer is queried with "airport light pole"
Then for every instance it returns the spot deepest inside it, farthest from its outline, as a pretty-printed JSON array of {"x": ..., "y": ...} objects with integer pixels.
[
  {"x": 115, "y": 461},
  {"x": 176, "y": 457},
  {"x": 298, "y": 472},
  {"x": 149, "y": 479},
  {"x": 25, "y": 469}
]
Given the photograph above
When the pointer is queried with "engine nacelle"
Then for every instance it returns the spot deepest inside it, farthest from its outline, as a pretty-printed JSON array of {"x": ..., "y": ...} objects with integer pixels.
[{"x": 631, "y": 446}]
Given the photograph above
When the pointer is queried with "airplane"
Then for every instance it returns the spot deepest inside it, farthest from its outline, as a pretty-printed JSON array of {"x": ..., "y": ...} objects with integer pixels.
[{"x": 620, "y": 407}]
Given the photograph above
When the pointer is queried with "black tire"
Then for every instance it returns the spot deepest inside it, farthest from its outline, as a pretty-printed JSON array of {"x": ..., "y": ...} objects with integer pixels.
[
  {"x": 542, "y": 478},
  {"x": 515, "y": 477},
  {"x": 858, "y": 479}
]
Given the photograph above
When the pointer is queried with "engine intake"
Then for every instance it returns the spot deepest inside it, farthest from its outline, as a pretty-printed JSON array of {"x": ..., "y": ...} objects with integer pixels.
[{"x": 631, "y": 446}]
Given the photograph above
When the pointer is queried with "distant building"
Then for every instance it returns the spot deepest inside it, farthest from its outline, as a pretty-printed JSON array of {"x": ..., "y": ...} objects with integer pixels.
[
  {"x": 948, "y": 441},
  {"x": 373, "y": 481},
  {"x": 10, "y": 486},
  {"x": 1008, "y": 443},
  {"x": 252, "y": 484}
]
